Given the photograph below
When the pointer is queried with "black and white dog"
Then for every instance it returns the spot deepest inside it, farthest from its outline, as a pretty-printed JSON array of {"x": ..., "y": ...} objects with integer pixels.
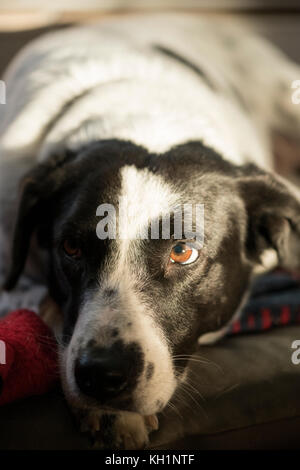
[{"x": 159, "y": 111}]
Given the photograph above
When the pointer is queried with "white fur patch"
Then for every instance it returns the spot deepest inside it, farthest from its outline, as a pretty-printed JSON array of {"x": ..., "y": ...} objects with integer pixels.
[{"x": 145, "y": 197}]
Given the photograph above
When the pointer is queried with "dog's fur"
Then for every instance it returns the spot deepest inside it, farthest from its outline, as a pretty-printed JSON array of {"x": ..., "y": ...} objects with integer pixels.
[{"x": 164, "y": 111}]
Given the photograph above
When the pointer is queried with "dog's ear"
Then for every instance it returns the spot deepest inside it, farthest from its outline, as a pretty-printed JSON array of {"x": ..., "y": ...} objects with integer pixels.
[
  {"x": 273, "y": 215},
  {"x": 36, "y": 191}
]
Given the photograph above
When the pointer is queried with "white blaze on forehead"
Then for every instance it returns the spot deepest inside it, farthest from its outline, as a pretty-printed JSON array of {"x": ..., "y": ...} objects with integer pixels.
[{"x": 144, "y": 196}]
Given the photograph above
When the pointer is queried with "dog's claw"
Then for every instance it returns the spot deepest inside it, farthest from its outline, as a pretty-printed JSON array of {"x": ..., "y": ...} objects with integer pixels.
[
  {"x": 151, "y": 422},
  {"x": 90, "y": 423},
  {"x": 119, "y": 430}
]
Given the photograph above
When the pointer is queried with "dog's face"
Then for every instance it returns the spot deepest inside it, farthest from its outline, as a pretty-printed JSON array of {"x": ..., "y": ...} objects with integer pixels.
[{"x": 133, "y": 308}]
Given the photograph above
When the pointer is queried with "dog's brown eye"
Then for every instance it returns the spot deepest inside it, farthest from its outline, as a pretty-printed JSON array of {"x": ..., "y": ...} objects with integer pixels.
[
  {"x": 183, "y": 253},
  {"x": 71, "y": 250}
]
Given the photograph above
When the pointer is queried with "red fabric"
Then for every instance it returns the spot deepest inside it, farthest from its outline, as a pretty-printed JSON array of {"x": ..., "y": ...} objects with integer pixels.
[
  {"x": 274, "y": 301},
  {"x": 236, "y": 328},
  {"x": 285, "y": 316},
  {"x": 266, "y": 319},
  {"x": 30, "y": 356}
]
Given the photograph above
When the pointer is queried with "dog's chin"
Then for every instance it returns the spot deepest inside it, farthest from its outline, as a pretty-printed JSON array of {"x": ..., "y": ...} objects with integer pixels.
[
  {"x": 136, "y": 405},
  {"x": 144, "y": 409}
]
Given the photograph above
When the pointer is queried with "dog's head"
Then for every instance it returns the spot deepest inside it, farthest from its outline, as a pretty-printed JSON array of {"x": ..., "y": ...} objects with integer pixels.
[{"x": 134, "y": 307}]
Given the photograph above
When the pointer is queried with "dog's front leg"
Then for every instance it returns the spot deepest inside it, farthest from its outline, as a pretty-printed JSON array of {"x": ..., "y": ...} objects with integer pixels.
[{"x": 116, "y": 429}]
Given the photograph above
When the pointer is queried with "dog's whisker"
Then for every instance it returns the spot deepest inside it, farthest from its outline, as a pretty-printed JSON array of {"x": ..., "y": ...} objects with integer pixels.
[
  {"x": 173, "y": 407},
  {"x": 191, "y": 397},
  {"x": 193, "y": 389},
  {"x": 227, "y": 390},
  {"x": 198, "y": 360}
]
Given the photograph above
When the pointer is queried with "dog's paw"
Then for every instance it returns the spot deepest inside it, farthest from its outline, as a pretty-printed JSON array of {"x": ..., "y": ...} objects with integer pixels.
[{"x": 117, "y": 429}]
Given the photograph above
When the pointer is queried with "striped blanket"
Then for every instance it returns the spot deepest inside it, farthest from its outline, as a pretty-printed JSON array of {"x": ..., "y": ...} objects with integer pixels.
[{"x": 274, "y": 301}]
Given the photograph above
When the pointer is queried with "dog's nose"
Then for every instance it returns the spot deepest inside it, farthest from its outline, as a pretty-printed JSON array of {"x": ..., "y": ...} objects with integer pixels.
[{"x": 104, "y": 373}]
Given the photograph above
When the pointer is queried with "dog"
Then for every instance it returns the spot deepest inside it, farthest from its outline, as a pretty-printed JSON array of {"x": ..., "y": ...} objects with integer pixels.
[{"x": 159, "y": 111}]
